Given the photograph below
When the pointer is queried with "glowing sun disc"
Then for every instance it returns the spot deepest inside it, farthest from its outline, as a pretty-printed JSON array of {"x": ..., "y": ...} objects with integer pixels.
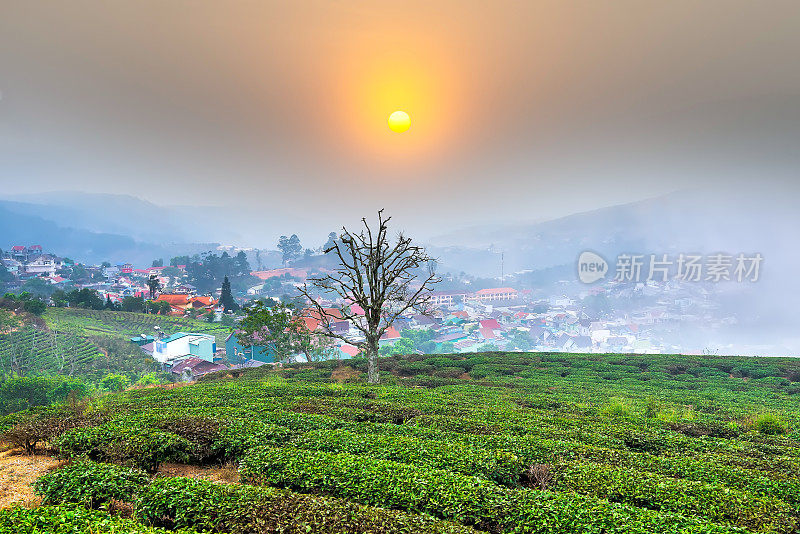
[{"x": 399, "y": 121}]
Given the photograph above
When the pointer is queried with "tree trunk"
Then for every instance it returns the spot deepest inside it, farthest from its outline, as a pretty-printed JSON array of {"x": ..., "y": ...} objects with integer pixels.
[{"x": 372, "y": 362}]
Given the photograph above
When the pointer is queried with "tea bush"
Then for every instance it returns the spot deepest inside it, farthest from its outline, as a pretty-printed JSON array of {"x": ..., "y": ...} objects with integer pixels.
[
  {"x": 69, "y": 519},
  {"x": 239, "y": 509},
  {"x": 145, "y": 448},
  {"x": 90, "y": 483}
]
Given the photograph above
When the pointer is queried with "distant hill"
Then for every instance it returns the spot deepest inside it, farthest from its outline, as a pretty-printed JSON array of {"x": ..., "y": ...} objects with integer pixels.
[
  {"x": 124, "y": 215},
  {"x": 689, "y": 222},
  {"x": 18, "y": 227}
]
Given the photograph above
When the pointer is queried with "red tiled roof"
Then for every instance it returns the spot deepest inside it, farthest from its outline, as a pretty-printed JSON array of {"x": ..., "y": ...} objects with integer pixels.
[
  {"x": 180, "y": 300},
  {"x": 18, "y": 248},
  {"x": 491, "y": 324},
  {"x": 350, "y": 350},
  {"x": 391, "y": 333},
  {"x": 488, "y": 333},
  {"x": 204, "y": 301},
  {"x": 310, "y": 323},
  {"x": 330, "y": 313}
]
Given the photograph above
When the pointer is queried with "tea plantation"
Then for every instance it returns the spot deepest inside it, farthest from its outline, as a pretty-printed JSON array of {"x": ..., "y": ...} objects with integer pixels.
[
  {"x": 128, "y": 324},
  {"x": 498, "y": 442}
]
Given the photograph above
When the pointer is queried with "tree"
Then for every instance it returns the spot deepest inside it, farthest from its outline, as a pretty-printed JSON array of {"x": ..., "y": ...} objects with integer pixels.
[
  {"x": 79, "y": 273},
  {"x": 290, "y": 247},
  {"x": 329, "y": 244},
  {"x": 376, "y": 275},
  {"x": 277, "y": 326},
  {"x": 59, "y": 298},
  {"x": 241, "y": 263},
  {"x": 154, "y": 285},
  {"x": 158, "y": 263},
  {"x": 35, "y": 306},
  {"x": 115, "y": 382},
  {"x": 85, "y": 298},
  {"x": 226, "y": 297},
  {"x": 132, "y": 304}
]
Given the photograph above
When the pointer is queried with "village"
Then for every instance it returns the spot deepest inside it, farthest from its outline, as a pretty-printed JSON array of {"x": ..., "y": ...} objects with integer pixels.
[{"x": 503, "y": 318}]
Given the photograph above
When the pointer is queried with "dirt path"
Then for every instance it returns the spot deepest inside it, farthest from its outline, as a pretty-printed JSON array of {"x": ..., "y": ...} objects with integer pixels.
[
  {"x": 18, "y": 472},
  {"x": 226, "y": 473}
]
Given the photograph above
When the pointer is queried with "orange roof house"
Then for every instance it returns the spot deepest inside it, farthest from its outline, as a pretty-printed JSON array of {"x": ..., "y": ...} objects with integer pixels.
[
  {"x": 174, "y": 299},
  {"x": 391, "y": 334},
  {"x": 184, "y": 302}
]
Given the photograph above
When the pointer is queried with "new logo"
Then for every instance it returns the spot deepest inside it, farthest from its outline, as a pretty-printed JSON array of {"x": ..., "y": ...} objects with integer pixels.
[{"x": 591, "y": 267}]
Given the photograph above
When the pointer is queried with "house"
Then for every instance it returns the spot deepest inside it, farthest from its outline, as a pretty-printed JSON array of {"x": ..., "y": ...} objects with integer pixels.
[
  {"x": 348, "y": 351},
  {"x": 492, "y": 294},
  {"x": 390, "y": 336},
  {"x": 491, "y": 324},
  {"x": 236, "y": 352},
  {"x": 43, "y": 264},
  {"x": 19, "y": 253},
  {"x": 450, "y": 337},
  {"x": 193, "y": 368},
  {"x": 142, "y": 339},
  {"x": 447, "y": 298},
  {"x": 487, "y": 334},
  {"x": 184, "y": 344},
  {"x": 125, "y": 268}
]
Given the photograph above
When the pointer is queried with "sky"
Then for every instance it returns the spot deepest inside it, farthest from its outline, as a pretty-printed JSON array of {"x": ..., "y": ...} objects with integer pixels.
[{"x": 520, "y": 111}]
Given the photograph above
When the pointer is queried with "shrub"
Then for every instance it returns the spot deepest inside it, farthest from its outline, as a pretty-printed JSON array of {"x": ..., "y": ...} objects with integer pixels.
[
  {"x": 29, "y": 432},
  {"x": 770, "y": 424},
  {"x": 68, "y": 519},
  {"x": 446, "y": 495},
  {"x": 200, "y": 432},
  {"x": 238, "y": 509},
  {"x": 142, "y": 447},
  {"x": 501, "y": 466},
  {"x": 90, "y": 483},
  {"x": 657, "y": 492},
  {"x": 115, "y": 382},
  {"x": 236, "y": 437}
]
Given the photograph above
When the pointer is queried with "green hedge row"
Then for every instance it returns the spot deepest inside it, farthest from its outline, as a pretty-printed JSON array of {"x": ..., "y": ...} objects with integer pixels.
[
  {"x": 503, "y": 467},
  {"x": 184, "y": 503},
  {"x": 69, "y": 519},
  {"x": 468, "y": 500},
  {"x": 647, "y": 490},
  {"x": 240, "y": 509}
]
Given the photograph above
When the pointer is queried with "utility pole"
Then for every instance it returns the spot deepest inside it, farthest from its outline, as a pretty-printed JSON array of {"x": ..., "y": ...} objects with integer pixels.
[{"x": 502, "y": 267}]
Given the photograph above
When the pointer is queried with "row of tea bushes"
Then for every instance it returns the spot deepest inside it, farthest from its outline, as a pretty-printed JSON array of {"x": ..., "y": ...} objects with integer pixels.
[
  {"x": 468, "y": 500},
  {"x": 184, "y": 503}
]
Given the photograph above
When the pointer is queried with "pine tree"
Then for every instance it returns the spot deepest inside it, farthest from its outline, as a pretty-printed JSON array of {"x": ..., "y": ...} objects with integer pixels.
[{"x": 226, "y": 297}]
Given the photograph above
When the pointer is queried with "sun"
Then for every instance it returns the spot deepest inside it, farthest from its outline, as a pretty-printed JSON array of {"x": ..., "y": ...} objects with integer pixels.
[{"x": 399, "y": 121}]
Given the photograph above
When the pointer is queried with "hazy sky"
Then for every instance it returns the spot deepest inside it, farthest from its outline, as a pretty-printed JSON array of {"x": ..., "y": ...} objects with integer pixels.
[{"x": 520, "y": 110}]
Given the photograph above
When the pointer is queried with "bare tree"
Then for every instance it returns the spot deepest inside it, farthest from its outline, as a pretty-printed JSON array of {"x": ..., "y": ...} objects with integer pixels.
[{"x": 383, "y": 278}]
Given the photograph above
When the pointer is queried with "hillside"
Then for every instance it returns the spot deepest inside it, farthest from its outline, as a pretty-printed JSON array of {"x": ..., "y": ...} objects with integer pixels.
[
  {"x": 91, "y": 343},
  {"x": 128, "y": 324},
  {"x": 499, "y": 442}
]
